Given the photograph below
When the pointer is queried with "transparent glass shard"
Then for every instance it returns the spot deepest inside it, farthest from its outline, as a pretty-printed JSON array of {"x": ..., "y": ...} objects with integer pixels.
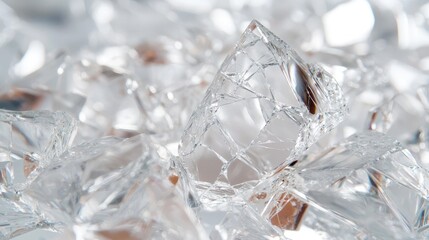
[
  {"x": 41, "y": 234},
  {"x": 365, "y": 85},
  {"x": 329, "y": 194},
  {"x": 111, "y": 186},
  {"x": 158, "y": 211},
  {"x": 371, "y": 181},
  {"x": 17, "y": 218},
  {"x": 318, "y": 224},
  {"x": 46, "y": 77},
  {"x": 264, "y": 108},
  {"x": 355, "y": 74},
  {"x": 30, "y": 140},
  {"x": 241, "y": 222},
  {"x": 126, "y": 92},
  {"x": 105, "y": 92},
  {"x": 423, "y": 96},
  {"x": 420, "y": 147},
  {"x": 281, "y": 202},
  {"x": 167, "y": 84},
  {"x": 394, "y": 116}
]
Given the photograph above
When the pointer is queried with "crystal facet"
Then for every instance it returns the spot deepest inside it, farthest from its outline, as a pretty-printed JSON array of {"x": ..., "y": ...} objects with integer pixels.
[
  {"x": 127, "y": 180},
  {"x": 29, "y": 140},
  {"x": 264, "y": 108},
  {"x": 371, "y": 181},
  {"x": 17, "y": 218}
]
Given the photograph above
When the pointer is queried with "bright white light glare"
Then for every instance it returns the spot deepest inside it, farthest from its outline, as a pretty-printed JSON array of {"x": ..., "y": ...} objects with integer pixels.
[
  {"x": 404, "y": 77},
  {"x": 424, "y": 156},
  {"x": 195, "y": 6},
  {"x": 223, "y": 21},
  {"x": 305, "y": 233},
  {"x": 348, "y": 131},
  {"x": 173, "y": 148},
  {"x": 113, "y": 57},
  {"x": 348, "y": 23},
  {"x": 127, "y": 119},
  {"x": 424, "y": 63},
  {"x": 104, "y": 13},
  {"x": 32, "y": 60},
  {"x": 240, "y": 4},
  {"x": 338, "y": 73},
  {"x": 371, "y": 98},
  {"x": 425, "y": 10}
]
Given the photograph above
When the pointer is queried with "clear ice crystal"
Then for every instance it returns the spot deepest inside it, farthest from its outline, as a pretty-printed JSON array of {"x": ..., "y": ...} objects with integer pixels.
[
  {"x": 242, "y": 222},
  {"x": 110, "y": 188},
  {"x": 29, "y": 141},
  {"x": 371, "y": 181},
  {"x": 318, "y": 224},
  {"x": 366, "y": 187},
  {"x": 263, "y": 109},
  {"x": 17, "y": 218},
  {"x": 393, "y": 118}
]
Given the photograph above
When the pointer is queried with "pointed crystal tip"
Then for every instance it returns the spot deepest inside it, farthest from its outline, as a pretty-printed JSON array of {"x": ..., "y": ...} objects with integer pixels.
[{"x": 263, "y": 109}]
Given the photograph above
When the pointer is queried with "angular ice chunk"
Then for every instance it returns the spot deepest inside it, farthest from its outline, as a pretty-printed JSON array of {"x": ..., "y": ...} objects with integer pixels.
[
  {"x": 110, "y": 188},
  {"x": 393, "y": 117},
  {"x": 241, "y": 222},
  {"x": 29, "y": 140},
  {"x": 371, "y": 181},
  {"x": 263, "y": 109},
  {"x": 368, "y": 186},
  {"x": 17, "y": 218},
  {"x": 404, "y": 117}
]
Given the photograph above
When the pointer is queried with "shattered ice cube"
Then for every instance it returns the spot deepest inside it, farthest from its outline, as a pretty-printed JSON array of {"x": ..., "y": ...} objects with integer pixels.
[
  {"x": 404, "y": 117},
  {"x": 371, "y": 181},
  {"x": 263, "y": 109},
  {"x": 29, "y": 140},
  {"x": 241, "y": 222},
  {"x": 366, "y": 187},
  {"x": 17, "y": 218},
  {"x": 111, "y": 188}
]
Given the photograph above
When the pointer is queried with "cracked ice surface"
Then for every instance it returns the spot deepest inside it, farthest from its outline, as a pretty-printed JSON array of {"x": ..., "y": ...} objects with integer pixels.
[
  {"x": 371, "y": 180},
  {"x": 348, "y": 191},
  {"x": 30, "y": 140},
  {"x": 393, "y": 118},
  {"x": 131, "y": 181},
  {"x": 264, "y": 108},
  {"x": 17, "y": 218}
]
